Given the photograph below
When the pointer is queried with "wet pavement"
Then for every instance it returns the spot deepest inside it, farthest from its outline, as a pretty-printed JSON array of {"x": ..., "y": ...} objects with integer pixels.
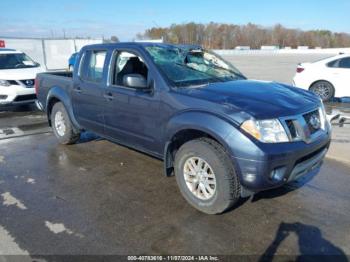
[
  {"x": 16, "y": 121},
  {"x": 99, "y": 198}
]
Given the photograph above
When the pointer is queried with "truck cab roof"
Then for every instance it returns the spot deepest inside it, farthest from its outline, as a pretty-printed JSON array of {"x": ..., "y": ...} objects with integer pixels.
[{"x": 143, "y": 44}]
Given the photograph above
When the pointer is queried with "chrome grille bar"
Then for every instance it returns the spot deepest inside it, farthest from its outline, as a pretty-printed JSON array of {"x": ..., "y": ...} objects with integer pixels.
[{"x": 298, "y": 129}]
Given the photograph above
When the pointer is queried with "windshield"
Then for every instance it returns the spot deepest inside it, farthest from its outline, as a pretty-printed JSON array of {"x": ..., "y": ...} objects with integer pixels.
[
  {"x": 16, "y": 60},
  {"x": 189, "y": 67}
]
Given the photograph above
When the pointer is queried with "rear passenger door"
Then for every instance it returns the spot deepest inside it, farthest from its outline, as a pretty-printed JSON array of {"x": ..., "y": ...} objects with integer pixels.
[
  {"x": 88, "y": 91},
  {"x": 132, "y": 114}
]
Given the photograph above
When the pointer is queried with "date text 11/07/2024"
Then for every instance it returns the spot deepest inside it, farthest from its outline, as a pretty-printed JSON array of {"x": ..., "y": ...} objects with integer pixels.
[{"x": 173, "y": 258}]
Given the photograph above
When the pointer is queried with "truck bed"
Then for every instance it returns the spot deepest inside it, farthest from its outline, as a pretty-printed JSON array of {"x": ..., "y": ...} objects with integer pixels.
[
  {"x": 59, "y": 73},
  {"x": 49, "y": 80}
]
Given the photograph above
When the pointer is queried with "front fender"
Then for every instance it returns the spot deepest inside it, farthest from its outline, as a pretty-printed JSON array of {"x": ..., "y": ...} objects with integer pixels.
[
  {"x": 57, "y": 93},
  {"x": 227, "y": 133},
  {"x": 215, "y": 126}
]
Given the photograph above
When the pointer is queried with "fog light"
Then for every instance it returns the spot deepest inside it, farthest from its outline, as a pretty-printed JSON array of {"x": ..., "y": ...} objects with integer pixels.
[
  {"x": 249, "y": 177},
  {"x": 278, "y": 174}
]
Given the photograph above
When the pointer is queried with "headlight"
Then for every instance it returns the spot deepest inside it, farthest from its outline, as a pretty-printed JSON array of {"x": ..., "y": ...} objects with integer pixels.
[
  {"x": 267, "y": 131},
  {"x": 4, "y": 83}
]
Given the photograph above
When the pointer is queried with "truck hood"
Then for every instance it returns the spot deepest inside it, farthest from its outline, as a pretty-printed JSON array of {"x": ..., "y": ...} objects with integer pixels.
[
  {"x": 20, "y": 73},
  {"x": 259, "y": 99}
]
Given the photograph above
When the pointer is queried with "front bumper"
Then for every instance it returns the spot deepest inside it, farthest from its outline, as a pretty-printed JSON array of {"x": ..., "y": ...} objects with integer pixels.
[
  {"x": 16, "y": 94},
  {"x": 281, "y": 163}
]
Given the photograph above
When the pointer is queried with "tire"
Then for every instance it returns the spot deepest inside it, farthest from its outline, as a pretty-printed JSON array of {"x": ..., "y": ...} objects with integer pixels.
[
  {"x": 62, "y": 125},
  {"x": 227, "y": 187},
  {"x": 323, "y": 89}
]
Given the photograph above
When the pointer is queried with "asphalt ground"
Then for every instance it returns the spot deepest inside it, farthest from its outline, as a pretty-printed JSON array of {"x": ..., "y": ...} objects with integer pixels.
[{"x": 98, "y": 198}]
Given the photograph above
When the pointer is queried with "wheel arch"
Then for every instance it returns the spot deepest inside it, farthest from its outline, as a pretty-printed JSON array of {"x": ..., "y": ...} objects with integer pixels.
[
  {"x": 194, "y": 125},
  {"x": 320, "y": 80},
  {"x": 55, "y": 95}
]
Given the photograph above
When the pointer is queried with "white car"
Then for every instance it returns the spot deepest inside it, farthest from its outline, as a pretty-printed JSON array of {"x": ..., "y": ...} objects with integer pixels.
[
  {"x": 17, "y": 75},
  {"x": 327, "y": 78}
]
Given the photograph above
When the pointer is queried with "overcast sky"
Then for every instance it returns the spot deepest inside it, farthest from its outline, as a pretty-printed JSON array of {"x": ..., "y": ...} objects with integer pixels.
[{"x": 44, "y": 18}]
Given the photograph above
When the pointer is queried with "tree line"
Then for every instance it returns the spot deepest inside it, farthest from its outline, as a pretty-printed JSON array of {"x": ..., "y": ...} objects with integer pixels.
[{"x": 229, "y": 36}]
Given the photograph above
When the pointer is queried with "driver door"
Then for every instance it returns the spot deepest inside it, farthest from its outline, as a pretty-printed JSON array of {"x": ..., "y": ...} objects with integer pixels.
[{"x": 131, "y": 114}]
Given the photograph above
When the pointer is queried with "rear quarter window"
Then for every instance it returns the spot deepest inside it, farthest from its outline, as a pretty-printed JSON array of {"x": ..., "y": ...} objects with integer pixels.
[{"x": 333, "y": 64}]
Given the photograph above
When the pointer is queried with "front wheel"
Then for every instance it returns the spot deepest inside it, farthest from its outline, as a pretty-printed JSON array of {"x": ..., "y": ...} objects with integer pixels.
[
  {"x": 206, "y": 176},
  {"x": 323, "y": 89},
  {"x": 62, "y": 125}
]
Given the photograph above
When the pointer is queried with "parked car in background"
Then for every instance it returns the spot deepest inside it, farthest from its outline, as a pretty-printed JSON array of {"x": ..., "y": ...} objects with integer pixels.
[
  {"x": 71, "y": 61},
  {"x": 327, "y": 78},
  {"x": 223, "y": 136},
  {"x": 17, "y": 75}
]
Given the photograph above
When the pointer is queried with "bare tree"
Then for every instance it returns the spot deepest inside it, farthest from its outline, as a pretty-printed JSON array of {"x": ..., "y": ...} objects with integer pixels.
[
  {"x": 227, "y": 36},
  {"x": 114, "y": 39}
]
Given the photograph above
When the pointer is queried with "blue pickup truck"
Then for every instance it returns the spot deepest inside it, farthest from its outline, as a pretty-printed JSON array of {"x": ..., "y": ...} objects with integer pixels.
[
  {"x": 71, "y": 61},
  {"x": 222, "y": 136}
]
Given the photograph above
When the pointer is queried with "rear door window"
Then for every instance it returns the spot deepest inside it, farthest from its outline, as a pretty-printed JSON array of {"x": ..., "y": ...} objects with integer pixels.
[{"x": 94, "y": 63}]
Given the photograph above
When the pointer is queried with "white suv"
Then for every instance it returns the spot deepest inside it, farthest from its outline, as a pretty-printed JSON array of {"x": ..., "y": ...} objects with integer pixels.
[{"x": 17, "y": 75}]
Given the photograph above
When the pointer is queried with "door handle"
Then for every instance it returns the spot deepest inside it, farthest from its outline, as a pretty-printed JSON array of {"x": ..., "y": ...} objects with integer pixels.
[
  {"x": 108, "y": 96},
  {"x": 77, "y": 89}
]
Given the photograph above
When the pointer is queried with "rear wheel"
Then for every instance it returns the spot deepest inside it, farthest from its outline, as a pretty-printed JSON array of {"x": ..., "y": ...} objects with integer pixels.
[
  {"x": 323, "y": 89},
  {"x": 62, "y": 125},
  {"x": 206, "y": 176}
]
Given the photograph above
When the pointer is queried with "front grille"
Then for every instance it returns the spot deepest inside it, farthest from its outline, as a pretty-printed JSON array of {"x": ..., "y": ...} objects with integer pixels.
[
  {"x": 28, "y": 82},
  {"x": 308, "y": 121},
  {"x": 304, "y": 127},
  {"x": 25, "y": 98},
  {"x": 292, "y": 130},
  {"x": 13, "y": 82}
]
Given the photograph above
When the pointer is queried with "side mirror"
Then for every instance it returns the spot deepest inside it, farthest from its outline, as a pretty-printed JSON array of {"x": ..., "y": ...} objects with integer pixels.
[{"x": 135, "y": 81}]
